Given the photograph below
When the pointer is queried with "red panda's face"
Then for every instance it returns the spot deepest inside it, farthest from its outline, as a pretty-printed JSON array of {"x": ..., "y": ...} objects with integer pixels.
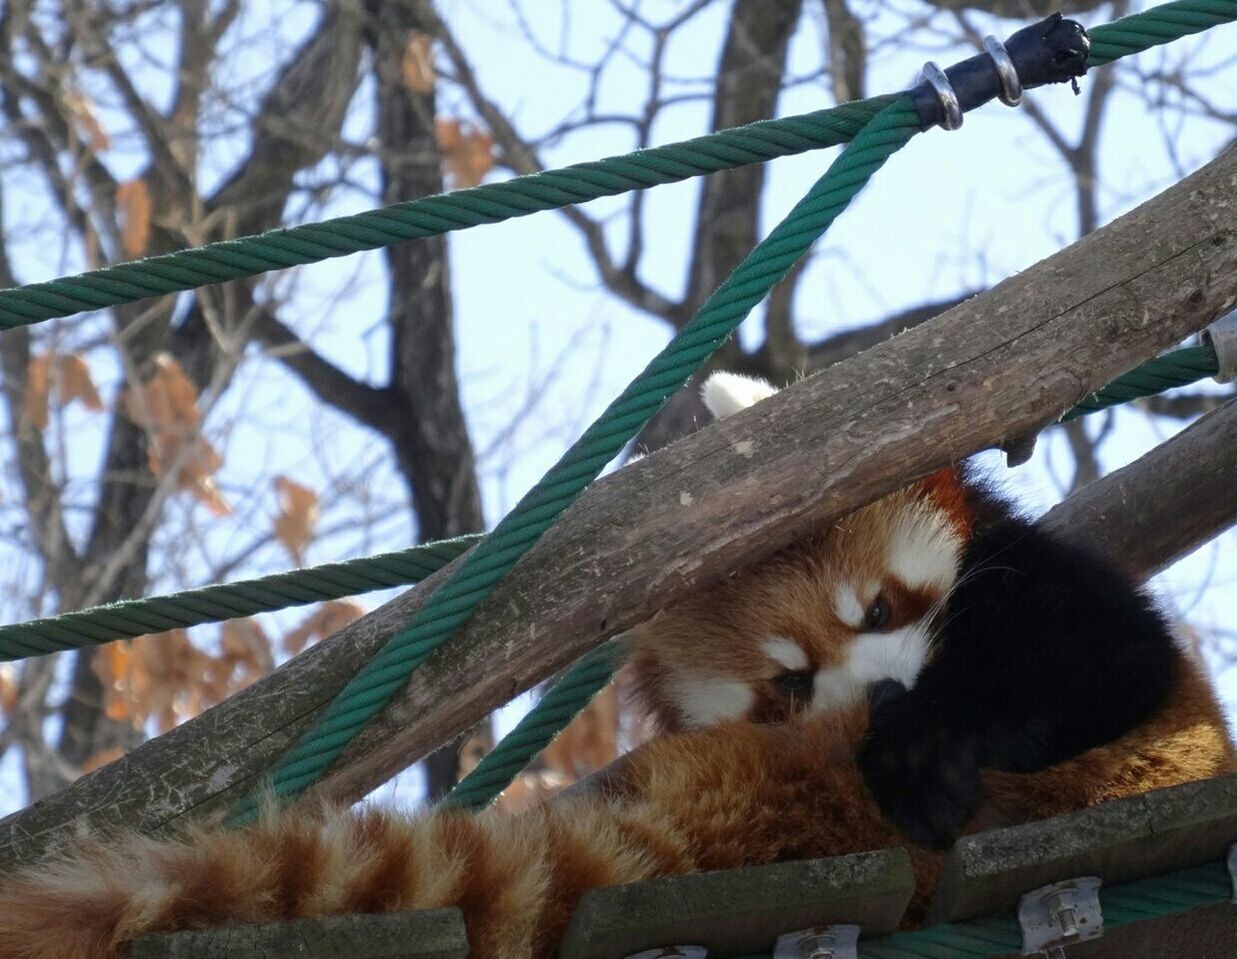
[{"x": 814, "y": 626}]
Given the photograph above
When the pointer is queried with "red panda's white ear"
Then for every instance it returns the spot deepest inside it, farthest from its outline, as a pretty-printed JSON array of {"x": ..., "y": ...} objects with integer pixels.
[{"x": 727, "y": 393}]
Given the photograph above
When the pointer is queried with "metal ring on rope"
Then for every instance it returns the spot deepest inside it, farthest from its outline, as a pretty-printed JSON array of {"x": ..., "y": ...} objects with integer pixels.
[
  {"x": 1222, "y": 335},
  {"x": 945, "y": 94},
  {"x": 1011, "y": 86}
]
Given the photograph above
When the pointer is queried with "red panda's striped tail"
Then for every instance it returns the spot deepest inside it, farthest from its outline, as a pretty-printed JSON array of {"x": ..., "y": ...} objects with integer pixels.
[{"x": 516, "y": 879}]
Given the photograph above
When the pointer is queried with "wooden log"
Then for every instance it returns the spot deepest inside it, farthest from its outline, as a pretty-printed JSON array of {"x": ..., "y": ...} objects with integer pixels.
[
  {"x": 994, "y": 368},
  {"x": 738, "y": 912},
  {"x": 1119, "y": 841},
  {"x": 1165, "y": 505},
  {"x": 425, "y": 934}
]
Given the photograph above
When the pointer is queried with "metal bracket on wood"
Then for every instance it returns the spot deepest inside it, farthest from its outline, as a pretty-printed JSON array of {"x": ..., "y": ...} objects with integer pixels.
[
  {"x": 819, "y": 942},
  {"x": 1222, "y": 334},
  {"x": 672, "y": 952},
  {"x": 1060, "y": 914}
]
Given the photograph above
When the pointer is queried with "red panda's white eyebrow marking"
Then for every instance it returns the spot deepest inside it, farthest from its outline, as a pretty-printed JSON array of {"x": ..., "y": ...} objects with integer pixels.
[
  {"x": 924, "y": 550},
  {"x": 847, "y": 605},
  {"x": 785, "y": 652}
]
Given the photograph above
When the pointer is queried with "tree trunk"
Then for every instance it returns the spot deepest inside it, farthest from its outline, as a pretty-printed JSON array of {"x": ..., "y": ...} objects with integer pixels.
[{"x": 428, "y": 431}]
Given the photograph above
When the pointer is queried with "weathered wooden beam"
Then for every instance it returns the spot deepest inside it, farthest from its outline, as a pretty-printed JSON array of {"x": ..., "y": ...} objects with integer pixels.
[
  {"x": 426, "y": 934},
  {"x": 1166, "y": 504},
  {"x": 741, "y": 912},
  {"x": 994, "y": 368},
  {"x": 1119, "y": 841}
]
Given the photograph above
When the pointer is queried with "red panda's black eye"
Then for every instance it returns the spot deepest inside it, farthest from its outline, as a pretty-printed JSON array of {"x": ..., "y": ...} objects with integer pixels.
[
  {"x": 877, "y": 616},
  {"x": 797, "y": 684}
]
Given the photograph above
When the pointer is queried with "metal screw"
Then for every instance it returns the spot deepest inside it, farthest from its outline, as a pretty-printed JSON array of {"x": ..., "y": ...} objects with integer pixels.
[
  {"x": 818, "y": 947},
  {"x": 1063, "y": 907}
]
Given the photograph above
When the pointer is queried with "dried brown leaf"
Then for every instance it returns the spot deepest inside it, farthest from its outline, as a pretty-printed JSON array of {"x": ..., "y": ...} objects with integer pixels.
[
  {"x": 417, "y": 63},
  {"x": 298, "y": 515},
  {"x": 244, "y": 656},
  {"x": 38, "y": 391},
  {"x": 467, "y": 152},
  {"x": 133, "y": 199},
  {"x": 8, "y": 690},
  {"x": 66, "y": 376},
  {"x": 589, "y": 742},
  {"x": 530, "y": 789},
  {"x": 166, "y": 407},
  {"x": 329, "y": 618},
  {"x": 102, "y": 759}
]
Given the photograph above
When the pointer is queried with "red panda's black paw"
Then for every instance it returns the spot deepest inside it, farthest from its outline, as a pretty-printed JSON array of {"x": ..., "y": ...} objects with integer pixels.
[{"x": 924, "y": 776}]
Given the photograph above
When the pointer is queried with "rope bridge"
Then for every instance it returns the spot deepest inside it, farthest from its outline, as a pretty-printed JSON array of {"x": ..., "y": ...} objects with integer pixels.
[{"x": 875, "y": 129}]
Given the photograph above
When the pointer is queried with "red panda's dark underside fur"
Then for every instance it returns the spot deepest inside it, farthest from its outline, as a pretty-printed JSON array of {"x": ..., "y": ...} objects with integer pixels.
[{"x": 732, "y": 795}]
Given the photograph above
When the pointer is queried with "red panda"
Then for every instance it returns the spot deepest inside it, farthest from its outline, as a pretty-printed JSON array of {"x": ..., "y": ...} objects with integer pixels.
[{"x": 808, "y": 705}]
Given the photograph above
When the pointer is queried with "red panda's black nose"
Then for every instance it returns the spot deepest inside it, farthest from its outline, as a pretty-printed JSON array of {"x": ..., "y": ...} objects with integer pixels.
[{"x": 883, "y": 692}]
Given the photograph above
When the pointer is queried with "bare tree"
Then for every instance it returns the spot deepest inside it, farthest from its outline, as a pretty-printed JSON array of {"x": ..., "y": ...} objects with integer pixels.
[
  {"x": 64, "y": 65},
  {"x": 139, "y": 128}
]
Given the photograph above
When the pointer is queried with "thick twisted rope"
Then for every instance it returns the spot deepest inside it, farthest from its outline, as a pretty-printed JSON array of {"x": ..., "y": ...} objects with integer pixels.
[
  {"x": 429, "y": 216},
  {"x": 210, "y": 604},
  {"x": 1159, "y": 25},
  {"x": 495, "y": 202},
  {"x": 483, "y": 567},
  {"x": 1178, "y": 368},
  {"x": 537, "y": 729}
]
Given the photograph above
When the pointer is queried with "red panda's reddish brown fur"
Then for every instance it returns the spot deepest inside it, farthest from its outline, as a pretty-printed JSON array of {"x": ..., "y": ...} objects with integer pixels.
[
  {"x": 766, "y": 777},
  {"x": 731, "y": 795}
]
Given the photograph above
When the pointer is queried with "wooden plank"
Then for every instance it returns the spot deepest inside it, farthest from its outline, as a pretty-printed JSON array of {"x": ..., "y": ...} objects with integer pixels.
[
  {"x": 995, "y": 368},
  {"x": 1127, "y": 839},
  {"x": 427, "y": 934},
  {"x": 741, "y": 911}
]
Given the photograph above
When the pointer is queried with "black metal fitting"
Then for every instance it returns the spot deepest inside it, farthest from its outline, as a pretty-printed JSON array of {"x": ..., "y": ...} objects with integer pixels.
[{"x": 1052, "y": 51}]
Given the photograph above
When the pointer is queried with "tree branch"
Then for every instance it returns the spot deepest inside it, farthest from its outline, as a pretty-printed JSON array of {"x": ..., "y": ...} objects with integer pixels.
[
  {"x": 842, "y": 346},
  {"x": 523, "y": 159},
  {"x": 40, "y": 492},
  {"x": 998, "y": 366},
  {"x": 1165, "y": 505},
  {"x": 749, "y": 79},
  {"x": 365, "y": 403},
  {"x": 290, "y": 128}
]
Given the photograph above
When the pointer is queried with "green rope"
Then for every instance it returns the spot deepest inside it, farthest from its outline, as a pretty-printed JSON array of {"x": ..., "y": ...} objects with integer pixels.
[
  {"x": 495, "y": 202},
  {"x": 553, "y": 712},
  {"x": 433, "y": 215},
  {"x": 484, "y": 566},
  {"x": 1000, "y": 935},
  {"x": 1178, "y": 368},
  {"x": 1158, "y": 25},
  {"x": 211, "y": 604}
]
